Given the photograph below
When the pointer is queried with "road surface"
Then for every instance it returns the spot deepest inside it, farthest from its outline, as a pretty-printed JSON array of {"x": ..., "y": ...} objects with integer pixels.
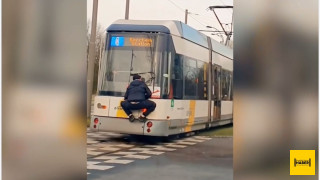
[{"x": 114, "y": 156}]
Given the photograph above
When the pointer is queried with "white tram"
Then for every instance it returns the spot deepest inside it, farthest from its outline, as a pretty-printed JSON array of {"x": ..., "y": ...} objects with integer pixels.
[{"x": 184, "y": 69}]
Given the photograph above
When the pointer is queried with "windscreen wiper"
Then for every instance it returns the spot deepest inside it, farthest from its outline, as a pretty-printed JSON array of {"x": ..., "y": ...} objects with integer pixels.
[
  {"x": 152, "y": 73},
  {"x": 149, "y": 80}
]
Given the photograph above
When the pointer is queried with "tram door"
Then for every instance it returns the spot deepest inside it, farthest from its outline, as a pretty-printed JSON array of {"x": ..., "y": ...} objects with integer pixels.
[{"x": 216, "y": 70}]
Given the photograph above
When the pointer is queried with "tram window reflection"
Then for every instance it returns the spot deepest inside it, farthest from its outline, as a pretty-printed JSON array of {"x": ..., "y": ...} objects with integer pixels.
[
  {"x": 226, "y": 85},
  {"x": 177, "y": 77},
  {"x": 201, "y": 80},
  {"x": 190, "y": 78}
]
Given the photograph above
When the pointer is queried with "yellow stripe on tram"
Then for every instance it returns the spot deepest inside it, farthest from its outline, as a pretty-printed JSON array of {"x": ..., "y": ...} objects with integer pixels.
[
  {"x": 192, "y": 108},
  {"x": 120, "y": 111}
]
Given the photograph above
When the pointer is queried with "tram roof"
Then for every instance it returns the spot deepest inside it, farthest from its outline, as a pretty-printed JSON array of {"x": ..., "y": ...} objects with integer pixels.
[{"x": 176, "y": 28}]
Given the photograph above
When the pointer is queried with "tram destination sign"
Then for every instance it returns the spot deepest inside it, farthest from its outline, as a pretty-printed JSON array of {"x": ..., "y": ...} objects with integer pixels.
[{"x": 121, "y": 41}]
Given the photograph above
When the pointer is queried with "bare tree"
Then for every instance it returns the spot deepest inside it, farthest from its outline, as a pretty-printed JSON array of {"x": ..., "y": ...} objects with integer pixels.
[{"x": 99, "y": 50}]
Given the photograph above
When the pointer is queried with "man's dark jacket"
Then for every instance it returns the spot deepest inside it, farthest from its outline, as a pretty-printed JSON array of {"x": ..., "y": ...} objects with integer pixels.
[{"x": 137, "y": 91}]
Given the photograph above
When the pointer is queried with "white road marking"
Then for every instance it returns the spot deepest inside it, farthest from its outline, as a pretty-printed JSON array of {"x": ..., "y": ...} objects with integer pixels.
[
  {"x": 193, "y": 140},
  {"x": 139, "y": 149},
  {"x": 136, "y": 156},
  {"x": 92, "y": 162},
  {"x": 125, "y": 153},
  {"x": 128, "y": 153},
  {"x": 107, "y": 157},
  {"x": 202, "y": 137},
  {"x": 152, "y": 152},
  {"x": 185, "y": 142},
  {"x": 117, "y": 161},
  {"x": 124, "y": 145},
  {"x": 94, "y": 153},
  {"x": 109, "y": 148},
  {"x": 99, "y": 167},
  {"x": 91, "y": 142},
  {"x": 174, "y": 145},
  {"x": 152, "y": 146},
  {"x": 161, "y": 148}
]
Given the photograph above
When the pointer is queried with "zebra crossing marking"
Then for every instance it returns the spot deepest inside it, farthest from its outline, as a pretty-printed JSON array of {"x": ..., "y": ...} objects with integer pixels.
[
  {"x": 194, "y": 140},
  {"x": 107, "y": 157},
  {"x": 174, "y": 145},
  {"x": 125, "y": 145},
  {"x": 94, "y": 153},
  {"x": 130, "y": 153},
  {"x": 185, "y": 143},
  {"x": 99, "y": 167},
  {"x": 133, "y": 156},
  {"x": 125, "y": 153},
  {"x": 151, "y": 152},
  {"x": 92, "y": 162},
  {"x": 91, "y": 141},
  {"x": 202, "y": 137},
  {"x": 153, "y": 146},
  {"x": 164, "y": 149},
  {"x": 116, "y": 161},
  {"x": 109, "y": 148},
  {"x": 139, "y": 149}
]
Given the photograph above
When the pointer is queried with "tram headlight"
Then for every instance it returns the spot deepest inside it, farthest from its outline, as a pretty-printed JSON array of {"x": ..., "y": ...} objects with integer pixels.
[{"x": 100, "y": 106}]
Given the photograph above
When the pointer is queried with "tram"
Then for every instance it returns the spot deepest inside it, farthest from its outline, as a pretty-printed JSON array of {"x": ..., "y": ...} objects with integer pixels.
[{"x": 190, "y": 76}]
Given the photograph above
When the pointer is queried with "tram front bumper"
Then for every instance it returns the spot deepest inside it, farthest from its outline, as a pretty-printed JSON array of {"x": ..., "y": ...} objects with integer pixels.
[{"x": 124, "y": 126}]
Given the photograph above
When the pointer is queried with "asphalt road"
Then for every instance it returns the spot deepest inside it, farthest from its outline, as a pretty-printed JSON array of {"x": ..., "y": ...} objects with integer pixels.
[{"x": 118, "y": 157}]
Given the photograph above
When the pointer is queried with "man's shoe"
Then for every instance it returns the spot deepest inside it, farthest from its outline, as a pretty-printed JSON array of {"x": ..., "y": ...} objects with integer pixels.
[
  {"x": 131, "y": 118},
  {"x": 142, "y": 119}
]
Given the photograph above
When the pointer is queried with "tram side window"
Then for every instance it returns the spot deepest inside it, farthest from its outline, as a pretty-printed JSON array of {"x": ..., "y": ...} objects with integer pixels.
[
  {"x": 190, "y": 78},
  {"x": 226, "y": 85},
  {"x": 177, "y": 77},
  {"x": 231, "y": 86}
]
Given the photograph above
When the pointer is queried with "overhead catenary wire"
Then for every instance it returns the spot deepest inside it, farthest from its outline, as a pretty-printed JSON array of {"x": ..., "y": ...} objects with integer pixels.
[
  {"x": 176, "y": 5},
  {"x": 225, "y": 5},
  {"x": 224, "y": 12},
  {"x": 231, "y": 11},
  {"x": 183, "y": 10},
  {"x": 197, "y": 20},
  {"x": 204, "y": 16},
  {"x": 224, "y": 25},
  {"x": 191, "y": 14},
  {"x": 197, "y": 17}
]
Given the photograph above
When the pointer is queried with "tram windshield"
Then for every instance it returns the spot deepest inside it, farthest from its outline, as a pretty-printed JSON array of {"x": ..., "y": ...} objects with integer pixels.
[{"x": 128, "y": 54}]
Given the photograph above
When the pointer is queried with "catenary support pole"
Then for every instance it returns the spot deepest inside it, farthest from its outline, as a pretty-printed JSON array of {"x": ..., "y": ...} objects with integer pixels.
[
  {"x": 127, "y": 9},
  {"x": 186, "y": 17},
  {"x": 92, "y": 55}
]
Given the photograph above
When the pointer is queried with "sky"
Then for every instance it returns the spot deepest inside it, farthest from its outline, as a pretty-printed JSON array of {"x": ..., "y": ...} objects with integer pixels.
[{"x": 200, "y": 16}]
